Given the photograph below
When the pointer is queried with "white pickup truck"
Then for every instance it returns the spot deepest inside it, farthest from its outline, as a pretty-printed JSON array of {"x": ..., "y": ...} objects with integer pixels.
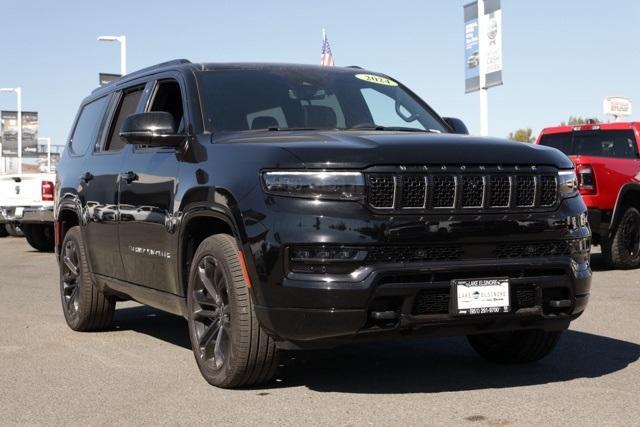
[{"x": 26, "y": 202}]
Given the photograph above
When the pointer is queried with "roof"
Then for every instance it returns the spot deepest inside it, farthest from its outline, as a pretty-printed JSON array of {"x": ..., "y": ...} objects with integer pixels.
[{"x": 211, "y": 66}]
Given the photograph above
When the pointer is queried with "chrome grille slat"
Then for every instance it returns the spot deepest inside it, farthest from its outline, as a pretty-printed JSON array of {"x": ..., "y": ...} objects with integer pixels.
[{"x": 464, "y": 190}]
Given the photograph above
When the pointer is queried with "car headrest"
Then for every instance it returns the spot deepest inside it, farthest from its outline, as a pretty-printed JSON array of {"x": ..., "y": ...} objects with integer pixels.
[{"x": 264, "y": 122}]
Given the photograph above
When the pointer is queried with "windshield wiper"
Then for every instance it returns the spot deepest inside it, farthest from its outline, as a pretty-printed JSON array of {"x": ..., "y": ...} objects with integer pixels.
[
  {"x": 389, "y": 128},
  {"x": 278, "y": 129}
]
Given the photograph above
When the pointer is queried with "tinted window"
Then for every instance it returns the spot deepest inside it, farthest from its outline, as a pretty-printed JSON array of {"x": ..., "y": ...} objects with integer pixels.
[
  {"x": 128, "y": 104},
  {"x": 561, "y": 141},
  {"x": 291, "y": 98},
  {"x": 87, "y": 126},
  {"x": 168, "y": 98},
  {"x": 601, "y": 143}
]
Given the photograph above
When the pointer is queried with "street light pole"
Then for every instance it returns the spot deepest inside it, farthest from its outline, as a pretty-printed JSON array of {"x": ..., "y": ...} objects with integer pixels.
[
  {"x": 18, "y": 92},
  {"x": 122, "y": 39}
]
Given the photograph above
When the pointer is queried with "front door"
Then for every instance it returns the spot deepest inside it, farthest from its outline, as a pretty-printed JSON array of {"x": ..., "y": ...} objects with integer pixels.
[{"x": 148, "y": 183}]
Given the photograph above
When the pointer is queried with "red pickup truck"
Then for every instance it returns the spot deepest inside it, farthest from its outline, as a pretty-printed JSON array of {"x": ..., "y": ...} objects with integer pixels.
[{"x": 607, "y": 160}]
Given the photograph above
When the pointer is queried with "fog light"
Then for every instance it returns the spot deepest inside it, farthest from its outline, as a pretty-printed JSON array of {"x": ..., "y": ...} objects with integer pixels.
[{"x": 326, "y": 259}]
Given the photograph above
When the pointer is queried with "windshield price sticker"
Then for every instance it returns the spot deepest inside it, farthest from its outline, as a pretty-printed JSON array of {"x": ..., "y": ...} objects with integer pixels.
[
  {"x": 376, "y": 79},
  {"x": 482, "y": 296}
]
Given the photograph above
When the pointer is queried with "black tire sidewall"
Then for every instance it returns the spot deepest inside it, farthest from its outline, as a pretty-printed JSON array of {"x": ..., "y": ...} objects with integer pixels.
[
  {"x": 619, "y": 255},
  {"x": 223, "y": 376},
  {"x": 75, "y": 320}
]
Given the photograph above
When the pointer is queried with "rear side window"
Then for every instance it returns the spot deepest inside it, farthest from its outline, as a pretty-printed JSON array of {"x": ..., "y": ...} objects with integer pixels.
[
  {"x": 620, "y": 144},
  {"x": 128, "y": 104},
  {"x": 86, "y": 130},
  {"x": 561, "y": 141}
]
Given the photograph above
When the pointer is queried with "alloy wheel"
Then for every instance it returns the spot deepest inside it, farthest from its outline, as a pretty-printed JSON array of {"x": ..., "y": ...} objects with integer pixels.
[
  {"x": 211, "y": 313},
  {"x": 70, "y": 278}
]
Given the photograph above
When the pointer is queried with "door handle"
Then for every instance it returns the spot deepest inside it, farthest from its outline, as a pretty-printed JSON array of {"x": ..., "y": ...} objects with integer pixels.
[
  {"x": 86, "y": 177},
  {"x": 130, "y": 177}
]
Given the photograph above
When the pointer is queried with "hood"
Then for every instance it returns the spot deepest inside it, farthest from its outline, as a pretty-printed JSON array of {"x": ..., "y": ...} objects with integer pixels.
[{"x": 353, "y": 149}]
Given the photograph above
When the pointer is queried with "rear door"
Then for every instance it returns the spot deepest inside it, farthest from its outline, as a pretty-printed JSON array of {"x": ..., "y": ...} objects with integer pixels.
[
  {"x": 148, "y": 183},
  {"x": 100, "y": 181}
]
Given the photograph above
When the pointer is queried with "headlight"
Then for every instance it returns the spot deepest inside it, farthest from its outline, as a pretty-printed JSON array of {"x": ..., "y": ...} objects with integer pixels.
[
  {"x": 315, "y": 185},
  {"x": 567, "y": 183}
]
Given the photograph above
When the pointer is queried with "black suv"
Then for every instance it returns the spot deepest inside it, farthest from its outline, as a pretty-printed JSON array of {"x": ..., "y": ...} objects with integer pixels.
[{"x": 292, "y": 207}]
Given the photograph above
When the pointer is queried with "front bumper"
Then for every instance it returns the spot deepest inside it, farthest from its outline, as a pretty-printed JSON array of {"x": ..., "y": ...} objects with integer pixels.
[
  {"x": 351, "y": 309},
  {"x": 26, "y": 215},
  {"x": 380, "y": 299}
]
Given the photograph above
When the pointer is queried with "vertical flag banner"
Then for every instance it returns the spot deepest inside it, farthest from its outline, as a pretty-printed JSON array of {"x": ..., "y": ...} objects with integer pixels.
[
  {"x": 326, "y": 58},
  {"x": 471, "y": 48},
  {"x": 483, "y": 42}
]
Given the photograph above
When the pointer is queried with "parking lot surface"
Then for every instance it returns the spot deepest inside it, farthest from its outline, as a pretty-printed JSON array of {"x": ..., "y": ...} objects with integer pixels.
[{"x": 142, "y": 370}]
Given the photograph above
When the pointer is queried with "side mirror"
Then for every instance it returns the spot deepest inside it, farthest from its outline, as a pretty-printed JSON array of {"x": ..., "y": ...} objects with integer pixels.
[
  {"x": 456, "y": 125},
  {"x": 154, "y": 128}
]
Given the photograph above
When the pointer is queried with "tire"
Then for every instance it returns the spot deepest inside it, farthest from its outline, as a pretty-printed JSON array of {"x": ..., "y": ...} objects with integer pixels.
[
  {"x": 622, "y": 251},
  {"x": 39, "y": 236},
  {"x": 3, "y": 231},
  {"x": 85, "y": 308},
  {"x": 230, "y": 347},
  {"x": 14, "y": 230},
  {"x": 515, "y": 347}
]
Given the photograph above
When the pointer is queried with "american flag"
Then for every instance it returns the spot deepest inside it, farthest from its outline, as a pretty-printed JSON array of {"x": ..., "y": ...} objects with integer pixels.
[{"x": 326, "y": 58}]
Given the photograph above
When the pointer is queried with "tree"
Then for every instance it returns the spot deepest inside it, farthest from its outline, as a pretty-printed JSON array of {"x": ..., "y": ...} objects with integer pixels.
[
  {"x": 578, "y": 120},
  {"x": 522, "y": 135}
]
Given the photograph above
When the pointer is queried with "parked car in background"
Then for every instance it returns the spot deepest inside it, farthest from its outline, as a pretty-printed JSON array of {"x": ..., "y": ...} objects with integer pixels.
[
  {"x": 26, "y": 204},
  {"x": 607, "y": 161}
]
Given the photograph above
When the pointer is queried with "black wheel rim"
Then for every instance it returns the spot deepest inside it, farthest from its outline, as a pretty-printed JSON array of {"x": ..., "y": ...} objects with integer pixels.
[
  {"x": 70, "y": 277},
  {"x": 631, "y": 235},
  {"x": 211, "y": 314}
]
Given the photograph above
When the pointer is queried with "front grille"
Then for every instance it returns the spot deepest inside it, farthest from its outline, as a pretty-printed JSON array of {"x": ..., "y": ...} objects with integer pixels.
[
  {"x": 437, "y": 301},
  {"x": 414, "y": 191},
  {"x": 405, "y": 254},
  {"x": 525, "y": 296},
  {"x": 382, "y": 191},
  {"x": 444, "y": 191},
  {"x": 525, "y": 191},
  {"x": 548, "y": 190},
  {"x": 432, "y": 301},
  {"x": 401, "y": 254},
  {"x": 479, "y": 188},
  {"x": 535, "y": 249},
  {"x": 472, "y": 191},
  {"x": 500, "y": 190}
]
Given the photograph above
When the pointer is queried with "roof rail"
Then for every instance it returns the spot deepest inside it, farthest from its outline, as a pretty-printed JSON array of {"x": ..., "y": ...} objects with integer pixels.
[
  {"x": 147, "y": 69},
  {"x": 355, "y": 66}
]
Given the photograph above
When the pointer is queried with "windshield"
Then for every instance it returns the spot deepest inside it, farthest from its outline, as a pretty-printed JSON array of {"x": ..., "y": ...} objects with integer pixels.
[
  {"x": 288, "y": 99},
  {"x": 599, "y": 143}
]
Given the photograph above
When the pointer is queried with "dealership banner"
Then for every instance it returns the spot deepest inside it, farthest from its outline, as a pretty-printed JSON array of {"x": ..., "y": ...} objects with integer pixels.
[
  {"x": 482, "y": 42},
  {"x": 9, "y": 132}
]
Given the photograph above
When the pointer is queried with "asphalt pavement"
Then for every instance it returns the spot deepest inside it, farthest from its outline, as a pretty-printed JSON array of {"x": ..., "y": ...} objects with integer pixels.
[{"x": 142, "y": 371}]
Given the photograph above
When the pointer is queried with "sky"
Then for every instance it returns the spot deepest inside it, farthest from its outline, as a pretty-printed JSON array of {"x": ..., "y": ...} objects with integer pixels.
[{"x": 560, "y": 57}]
